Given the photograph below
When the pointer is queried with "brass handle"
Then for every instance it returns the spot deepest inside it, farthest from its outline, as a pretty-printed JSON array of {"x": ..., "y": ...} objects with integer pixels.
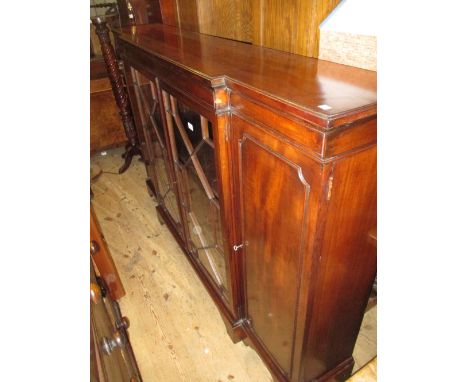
[
  {"x": 95, "y": 293},
  {"x": 109, "y": 344}
]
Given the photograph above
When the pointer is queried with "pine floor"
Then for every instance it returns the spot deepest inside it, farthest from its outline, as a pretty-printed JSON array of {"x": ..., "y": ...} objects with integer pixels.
[{"x": 176, "y": 331}]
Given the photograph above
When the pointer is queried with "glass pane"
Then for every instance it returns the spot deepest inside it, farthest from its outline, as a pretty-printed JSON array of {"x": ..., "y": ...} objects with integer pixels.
[
  {"x": 166, "y": 198},
  {"x": 158, "y": 170},
  {"x": 205, "y": 228},
  {"x": 195, "y": 157},
  {"x": 191, "y": 122},
  {"x": 206, "y": 157}
]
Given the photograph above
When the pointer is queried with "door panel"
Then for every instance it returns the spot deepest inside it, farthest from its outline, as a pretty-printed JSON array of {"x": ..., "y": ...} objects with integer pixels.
[
  {"x": 191, "y": 137},
  {"x": 275, "y": 204},
  {"x": 158, "y": 165}
]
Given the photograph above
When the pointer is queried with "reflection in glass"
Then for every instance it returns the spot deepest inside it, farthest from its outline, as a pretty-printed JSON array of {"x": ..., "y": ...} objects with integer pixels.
[
  {"x": 193, "y": 150},
  {"x": 150, "y": 114},
  {"x": 205, "y": 227}
]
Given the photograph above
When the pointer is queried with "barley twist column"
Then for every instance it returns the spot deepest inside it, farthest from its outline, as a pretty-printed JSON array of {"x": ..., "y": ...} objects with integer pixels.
[{"x": 118, "y": 88}]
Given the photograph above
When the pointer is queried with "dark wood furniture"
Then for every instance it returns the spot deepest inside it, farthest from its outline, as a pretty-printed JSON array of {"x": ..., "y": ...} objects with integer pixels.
[
  {"x": 105, "y": 125},
  {"x": 291, "y": 26},
  {"x": 118, "y": 88},
  {"x": 133, "y": 12},
  {"x": 101, "y": 256},
  {"x": 263, "y": 166},
  {"x": 106, "y": 129},
  {"x": 111, "y": 355}
]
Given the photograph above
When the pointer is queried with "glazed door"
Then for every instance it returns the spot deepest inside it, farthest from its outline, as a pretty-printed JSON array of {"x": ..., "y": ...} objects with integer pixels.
[
  {"x": 193, "y": 150},
  {"x": 155, "y": 147},
  {"x": 275, "y": 201}
]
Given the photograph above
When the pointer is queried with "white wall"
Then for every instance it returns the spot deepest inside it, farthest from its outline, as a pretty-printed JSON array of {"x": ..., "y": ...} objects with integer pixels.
[{"x": 353, "y": 16}]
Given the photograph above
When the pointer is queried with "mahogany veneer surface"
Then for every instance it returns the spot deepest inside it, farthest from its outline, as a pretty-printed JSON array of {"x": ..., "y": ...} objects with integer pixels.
[
  {"x": 301, "y": 81},
  {"x": 292, "y": 157}
]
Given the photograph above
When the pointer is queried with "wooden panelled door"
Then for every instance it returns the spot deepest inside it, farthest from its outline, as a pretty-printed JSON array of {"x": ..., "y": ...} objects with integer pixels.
[{"x": 276, "y": 207}]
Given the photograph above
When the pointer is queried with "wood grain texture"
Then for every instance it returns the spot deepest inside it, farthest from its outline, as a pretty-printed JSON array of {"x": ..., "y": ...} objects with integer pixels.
[
  {"x": 100, "y": 85},
  {"x": 276, "y": 24},
  {"x": 348, "y": 262},
  {"x": 169, "y": 12},
  {"x": 367, "y": 374},
  {"x": 120, "y": 364},
  {"x": 295, "y": 83},
  {"x": 223, "y": 18},
  {"x": 103, "y": 259},
  {"x": 146, "y": 11},
  {"x": 139, "y": 12},
  {"x": 226, "y": 18},
  {"x": 187, "y": 15},
  {"x": 105, "y": 125},
  {"x": 291, "y": 26},
  {"x": 97, "y": 68},
  {"x": 273, "y": 247},
  {"x": 347, "y": 207},
  {"x": 276, "y": 205},
  {"x": 301, "y": 214},
  {"x": 176, "y": 331}
]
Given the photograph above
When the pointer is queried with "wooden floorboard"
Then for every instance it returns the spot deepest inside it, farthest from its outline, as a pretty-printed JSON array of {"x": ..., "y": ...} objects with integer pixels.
[
  {"x": 367, "y": 373},
  {"x": 176, "y": 330},
  {"x": 366, "y": 344}
]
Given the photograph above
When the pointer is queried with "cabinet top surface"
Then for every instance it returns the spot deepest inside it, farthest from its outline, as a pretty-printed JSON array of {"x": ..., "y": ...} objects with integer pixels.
[{"x": 322, "y": 88}]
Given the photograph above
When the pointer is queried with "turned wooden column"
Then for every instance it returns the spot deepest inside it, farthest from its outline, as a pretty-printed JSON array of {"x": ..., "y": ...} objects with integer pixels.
[{"x": 119, "y": 90}]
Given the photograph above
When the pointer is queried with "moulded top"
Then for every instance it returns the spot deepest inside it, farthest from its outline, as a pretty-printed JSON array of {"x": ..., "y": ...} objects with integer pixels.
[{"x": 324, "y": 89}]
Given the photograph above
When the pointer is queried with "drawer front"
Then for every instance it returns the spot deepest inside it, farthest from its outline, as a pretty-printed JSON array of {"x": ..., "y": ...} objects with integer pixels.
[{"x": 112, "y": 358}]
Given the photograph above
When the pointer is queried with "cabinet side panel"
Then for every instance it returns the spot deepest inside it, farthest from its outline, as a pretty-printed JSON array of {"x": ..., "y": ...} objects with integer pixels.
[
  {"x": 275, "y": 199},
  {"x": 347, "y": 264}
]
